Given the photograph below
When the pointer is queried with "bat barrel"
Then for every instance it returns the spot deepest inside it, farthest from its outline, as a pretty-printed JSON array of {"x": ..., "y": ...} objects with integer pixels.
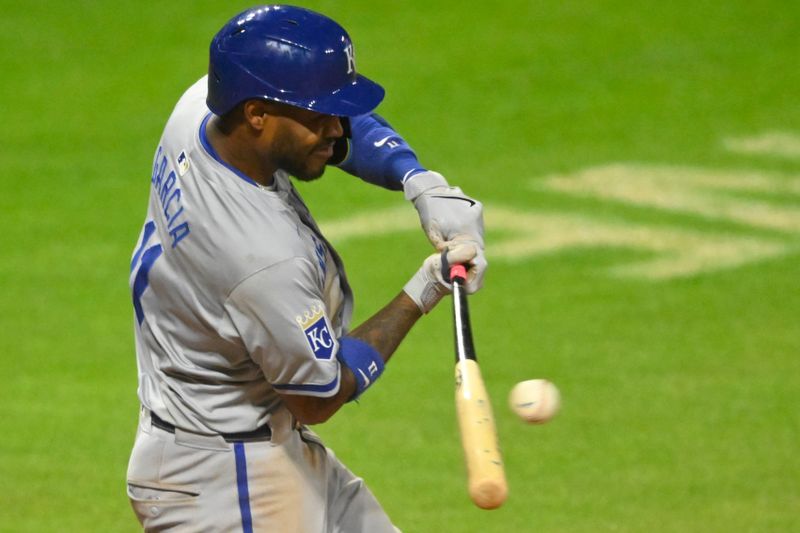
[{"x": 486, "y": 476}]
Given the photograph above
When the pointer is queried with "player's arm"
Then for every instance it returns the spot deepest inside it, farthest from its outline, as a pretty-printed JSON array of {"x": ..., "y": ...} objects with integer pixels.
[
  {"x": 373, "y": 151},
  {"x": 362, "y": 355},
  {"x": 364, "y": 352}
]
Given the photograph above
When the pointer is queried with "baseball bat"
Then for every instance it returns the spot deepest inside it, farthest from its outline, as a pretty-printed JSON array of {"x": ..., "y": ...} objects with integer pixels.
[{"x": 486, "y": 479}]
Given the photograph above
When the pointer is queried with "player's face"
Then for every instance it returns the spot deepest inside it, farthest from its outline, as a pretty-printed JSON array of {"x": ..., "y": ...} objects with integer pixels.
[{"x": 302, "y": 140}]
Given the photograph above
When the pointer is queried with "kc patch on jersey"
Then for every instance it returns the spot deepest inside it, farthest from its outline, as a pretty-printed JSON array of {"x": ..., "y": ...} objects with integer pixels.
[{"x": 317, "y": 332}]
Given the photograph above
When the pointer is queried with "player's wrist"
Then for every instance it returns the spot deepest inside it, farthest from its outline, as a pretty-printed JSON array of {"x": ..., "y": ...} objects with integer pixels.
[
  {"x": 425, "y": 293},
  {"x": 432, "y": 281},
  {"x": 403, "y": 166},
  {"x": 364, "y": 361},
  {"x": 417, "y": 183},
  {"x": 425, "y": 287}
]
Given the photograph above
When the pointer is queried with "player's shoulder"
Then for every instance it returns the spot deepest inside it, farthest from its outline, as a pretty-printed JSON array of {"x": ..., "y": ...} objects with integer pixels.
[
  {"x": 249, "y": 233},
  {"x": 189, "y": 111}
]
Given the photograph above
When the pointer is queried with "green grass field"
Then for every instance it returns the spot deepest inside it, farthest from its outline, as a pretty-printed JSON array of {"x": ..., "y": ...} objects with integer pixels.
[{"x": 640, "y": 166}]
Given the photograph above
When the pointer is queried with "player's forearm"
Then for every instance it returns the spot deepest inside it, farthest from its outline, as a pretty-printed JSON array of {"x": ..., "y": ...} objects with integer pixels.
[
  {"x": 313, "y": 410},
  {"x": 380, "y": 335},
  {"x": 388, "y": 327},
  {"x": 376, "y": 153}
]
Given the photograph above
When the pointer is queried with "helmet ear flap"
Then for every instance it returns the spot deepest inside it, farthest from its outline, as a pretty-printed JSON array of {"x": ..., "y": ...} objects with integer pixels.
[
  {"x": 341, "y": 146},
  {"x": 348, "y": 133}
]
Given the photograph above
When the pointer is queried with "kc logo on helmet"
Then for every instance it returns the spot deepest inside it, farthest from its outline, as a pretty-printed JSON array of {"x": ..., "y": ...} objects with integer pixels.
[
  {"x": 351, "y": 58},
  {"x": 317, "y": 333}
]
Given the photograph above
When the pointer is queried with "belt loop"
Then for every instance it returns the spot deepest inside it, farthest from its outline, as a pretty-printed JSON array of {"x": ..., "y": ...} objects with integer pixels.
[{"x": 282, "y": 424}]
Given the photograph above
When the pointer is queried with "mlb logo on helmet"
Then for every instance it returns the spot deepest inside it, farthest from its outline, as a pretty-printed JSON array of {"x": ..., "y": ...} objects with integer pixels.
[{"x": 317, "y": 333}]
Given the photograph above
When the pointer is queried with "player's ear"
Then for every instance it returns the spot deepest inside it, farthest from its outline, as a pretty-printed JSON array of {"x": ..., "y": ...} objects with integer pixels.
[{"x": 255, "y": 113}]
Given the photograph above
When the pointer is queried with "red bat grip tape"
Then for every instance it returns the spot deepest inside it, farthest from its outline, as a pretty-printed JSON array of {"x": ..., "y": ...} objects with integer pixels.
[{"x": 458, "y": 271}]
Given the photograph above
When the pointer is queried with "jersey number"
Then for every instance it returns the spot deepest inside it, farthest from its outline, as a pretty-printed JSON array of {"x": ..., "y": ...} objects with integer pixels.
[{"x": 143, "y": 261}]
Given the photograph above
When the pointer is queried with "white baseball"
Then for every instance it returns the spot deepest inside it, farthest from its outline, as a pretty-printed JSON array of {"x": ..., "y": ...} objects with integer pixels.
[{"x": 535, "y": 401}]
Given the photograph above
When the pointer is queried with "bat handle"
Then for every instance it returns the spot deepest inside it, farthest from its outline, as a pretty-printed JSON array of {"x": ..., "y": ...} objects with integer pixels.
[{"x": 458, "y": 272}]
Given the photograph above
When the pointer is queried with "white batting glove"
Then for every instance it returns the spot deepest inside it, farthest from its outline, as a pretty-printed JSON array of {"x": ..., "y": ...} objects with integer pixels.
[
  {"x": 446, "y": 213},
  {"x": 431, "y": 282},
  {"x": 477, "y": 265}
]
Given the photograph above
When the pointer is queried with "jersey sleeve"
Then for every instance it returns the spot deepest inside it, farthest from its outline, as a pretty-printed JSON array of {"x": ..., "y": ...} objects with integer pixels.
[{"x": 281, "y": 318}]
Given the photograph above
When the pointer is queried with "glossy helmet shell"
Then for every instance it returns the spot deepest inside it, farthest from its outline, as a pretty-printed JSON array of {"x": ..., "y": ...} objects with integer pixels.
[{"x": 290, "y": 55}]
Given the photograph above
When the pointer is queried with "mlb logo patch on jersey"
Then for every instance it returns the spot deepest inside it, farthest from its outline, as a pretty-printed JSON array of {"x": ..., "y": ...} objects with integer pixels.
[
  {"x": 183, "y": 163},
  {"x": 317, "y": 333}
]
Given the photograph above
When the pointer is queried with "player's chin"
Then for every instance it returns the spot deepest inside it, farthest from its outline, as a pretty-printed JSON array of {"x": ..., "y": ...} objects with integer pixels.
[
  {"x": 304, "y": 169},
  {"x": 309, "y": 172},
  {"x": 314, "y": 165}
]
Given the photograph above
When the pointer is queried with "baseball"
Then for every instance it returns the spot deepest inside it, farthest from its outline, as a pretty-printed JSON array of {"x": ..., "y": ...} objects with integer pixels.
[{"x": 535, "y": 401}]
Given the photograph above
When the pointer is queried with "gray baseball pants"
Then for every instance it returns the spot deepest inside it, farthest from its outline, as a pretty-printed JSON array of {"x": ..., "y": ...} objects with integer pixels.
[{"x": 290, "y": 483}]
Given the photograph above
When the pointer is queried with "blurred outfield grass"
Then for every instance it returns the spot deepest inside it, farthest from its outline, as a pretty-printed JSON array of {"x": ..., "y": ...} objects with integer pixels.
[{"x": 680, "y": 394}]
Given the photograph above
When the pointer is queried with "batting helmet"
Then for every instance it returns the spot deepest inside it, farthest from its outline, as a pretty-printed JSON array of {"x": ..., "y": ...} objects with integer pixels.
[{"x": 289, "y": 55}]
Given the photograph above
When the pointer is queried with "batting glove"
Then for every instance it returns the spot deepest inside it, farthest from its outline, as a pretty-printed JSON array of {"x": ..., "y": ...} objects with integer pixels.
[
  {"x": 432, "y": 280},
  {"x": 446, "y": 213},
  {"x": 477, "y": 265}
]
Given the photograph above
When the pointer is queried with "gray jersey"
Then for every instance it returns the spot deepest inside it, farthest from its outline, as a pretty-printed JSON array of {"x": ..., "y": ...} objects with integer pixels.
[{"x": 236, "y": 293}]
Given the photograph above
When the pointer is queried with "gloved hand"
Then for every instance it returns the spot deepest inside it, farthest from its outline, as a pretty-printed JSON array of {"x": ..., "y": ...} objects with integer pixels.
[
  {"x": 449, "y": 217},
  {"x": 432, "y": 280},
  {"x": 446, "y": 213},
  {"x": 477, "y": 267}
]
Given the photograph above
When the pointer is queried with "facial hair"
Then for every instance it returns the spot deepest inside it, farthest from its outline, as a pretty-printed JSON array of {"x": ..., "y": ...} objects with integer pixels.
[{"x": 288, "y": 157}]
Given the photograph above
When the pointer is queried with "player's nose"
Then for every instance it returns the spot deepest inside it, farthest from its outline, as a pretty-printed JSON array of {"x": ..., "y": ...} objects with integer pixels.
[{"x": 333, "y": 128}]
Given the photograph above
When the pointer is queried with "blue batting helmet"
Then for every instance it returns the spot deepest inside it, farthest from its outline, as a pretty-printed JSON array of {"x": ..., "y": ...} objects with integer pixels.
[{"x": 290, "y": 55}]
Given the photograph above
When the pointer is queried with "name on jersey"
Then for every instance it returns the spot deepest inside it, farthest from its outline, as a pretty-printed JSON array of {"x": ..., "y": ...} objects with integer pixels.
[
  {"x": 167, "y": 189},
  {"x": 317, "y": 333}
]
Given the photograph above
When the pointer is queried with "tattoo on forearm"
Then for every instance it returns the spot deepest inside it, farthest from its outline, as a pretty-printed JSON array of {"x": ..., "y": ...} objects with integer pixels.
[{"x": 386, "y": 329}]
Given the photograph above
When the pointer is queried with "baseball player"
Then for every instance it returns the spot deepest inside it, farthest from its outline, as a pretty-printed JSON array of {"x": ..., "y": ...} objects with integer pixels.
[{"x": 242, "y": 307}]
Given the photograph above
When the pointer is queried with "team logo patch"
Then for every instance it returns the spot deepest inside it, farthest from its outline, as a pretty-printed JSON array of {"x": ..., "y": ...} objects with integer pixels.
[
  {"x": 183, "y": 163},
  {"x": 351, "y": 58},
  {"x": 317, "y": 332}
]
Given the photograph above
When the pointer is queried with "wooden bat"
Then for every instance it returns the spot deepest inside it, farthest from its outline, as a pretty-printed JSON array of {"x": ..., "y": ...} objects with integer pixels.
[{"x": 486, "y": 476}]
